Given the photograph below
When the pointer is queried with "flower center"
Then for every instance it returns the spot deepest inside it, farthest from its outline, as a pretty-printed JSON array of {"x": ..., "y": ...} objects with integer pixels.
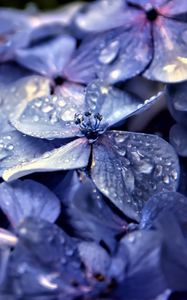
[
  {"x": 89, "y": 124},
  {"x": 152, "y": 14}
]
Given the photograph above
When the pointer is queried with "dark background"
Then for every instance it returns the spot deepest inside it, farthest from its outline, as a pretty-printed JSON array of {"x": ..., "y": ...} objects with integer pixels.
[{"x": 42, "y": 4}]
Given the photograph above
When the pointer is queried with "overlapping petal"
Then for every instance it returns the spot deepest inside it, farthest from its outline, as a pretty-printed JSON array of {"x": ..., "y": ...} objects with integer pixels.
[
  {"x": 169, "y": 62},
  {"x": 129, "y": 167},
  {"x": 73, "y": 155},
  {"x": 16, "y": 148},
  {"x": 178, "y": 138},
  {"x": 49, "y": 58},
  {"x": 27, "y": 198},
  {"x": 162, "y": 203},
  {"x": 51, "y": 116},
  {"x": 114, "y": 55},
  {"x": 87, "y": 212}
]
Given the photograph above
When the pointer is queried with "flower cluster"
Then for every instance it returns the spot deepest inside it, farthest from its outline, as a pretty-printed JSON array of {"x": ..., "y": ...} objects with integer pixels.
[{"x": 92, "y": 192}]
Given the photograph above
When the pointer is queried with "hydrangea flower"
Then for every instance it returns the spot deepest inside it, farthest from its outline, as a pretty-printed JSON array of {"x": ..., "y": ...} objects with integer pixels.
[
  {"x": 150, "y": 261},
  {"x": 176, "y": 99},
  {"x": 86, "y": 211},
  {"x": 130, "y": 37},
  {"x": 126, "y": 167},
  {"x": 45, "y": 261}
]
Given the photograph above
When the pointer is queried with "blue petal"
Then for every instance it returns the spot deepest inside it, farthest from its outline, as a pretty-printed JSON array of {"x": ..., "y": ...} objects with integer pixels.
[
  {"x": 90, "y": 19},
  {"x": 73, "y": 155},
  {"x": 10, "y": 72},
  {"x": 28, "y": 198},
  {"x": 86, "y": 211},
  {"x": 169, "y": 63},
  {"x": 113, "y": 104},
  {"x": 113, "y": 55},
  {"x": 52, "y": 116},
  {"x": 44, "y": 262},
  {"x": 178, "y": 138},
  {"x": 61, "y": 16},
  {"x": 14, "y": 32},
  {"x": 13, "y": 94},
  {"x": 48, "y": 59},
  {"x": 172, "y": 8},
  {"x": 16, "y": 148},
  {"x": 95, "y": 258},
  {"x": 176, "y": 99},
  {"x": 141, "y": 276},
  {"x": 130, "y": 167},
  {"x": 162, "y": 203}
]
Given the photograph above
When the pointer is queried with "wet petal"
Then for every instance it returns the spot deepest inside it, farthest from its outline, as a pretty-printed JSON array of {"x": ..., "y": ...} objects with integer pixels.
[
  {"x": 162, "y": 203},
  {"x": 45, "y": 262},
  {"x": 114, "y": 55},
  {"x": 22, "y": 90},
  {"x": 73, "y": 155},
  {"x": 16, "y": 148},
  {"x": 129, "y": 167},
  {"x": 178, "y": 138},
  {"x": 51, "y": 116},
  {"x": 28, "y": 198},
  {"x": 170, "y": 58},
  {"x": 48, "y": 59},
  {"x": 86, "y": 211},
  {"x": 113, "y": 104}
]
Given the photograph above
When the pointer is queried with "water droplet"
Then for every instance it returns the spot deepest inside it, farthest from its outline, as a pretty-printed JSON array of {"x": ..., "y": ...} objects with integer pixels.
[
  {"x": 35, "y": 118},
  {"x": 158, "y": 170},
  {"x": 47, "y": 108},
  {"x": 166, "y": 179},
  {"x": 10, "y": 147},
  {"x": 120, "y": 138},
  {"x": 131, "y": 238},
  {"x": 109, "y": 53}
]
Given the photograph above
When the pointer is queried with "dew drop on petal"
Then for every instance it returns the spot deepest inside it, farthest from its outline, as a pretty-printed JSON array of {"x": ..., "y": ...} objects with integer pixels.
[{"x": 109, "y": 53}]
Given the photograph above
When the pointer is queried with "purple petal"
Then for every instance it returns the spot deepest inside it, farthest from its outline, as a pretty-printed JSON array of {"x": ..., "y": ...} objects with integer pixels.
[
  {"x": 162, "y": 203},
  {"x": 86, "y": 211},
  {"x": 28, "y": 198},
  {"x": 169, "y": 63},
  {"x": 73, "y": 155},
  {"x": 48, "y": 59},
  {"x": 16, "y": 148},
  {"x": 114, "y": 55},
  {"x": 178, "y": 138},
  {"x": 51, "y": 116},
  {"x": 129, "y": 167}
]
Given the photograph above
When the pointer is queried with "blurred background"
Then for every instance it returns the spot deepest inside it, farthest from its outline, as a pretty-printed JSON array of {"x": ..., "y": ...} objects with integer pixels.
[{"x": 41, "y": 4}]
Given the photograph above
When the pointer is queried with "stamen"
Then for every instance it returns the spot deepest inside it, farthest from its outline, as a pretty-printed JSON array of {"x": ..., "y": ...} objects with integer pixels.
[{"x": 89, "y": 124}]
